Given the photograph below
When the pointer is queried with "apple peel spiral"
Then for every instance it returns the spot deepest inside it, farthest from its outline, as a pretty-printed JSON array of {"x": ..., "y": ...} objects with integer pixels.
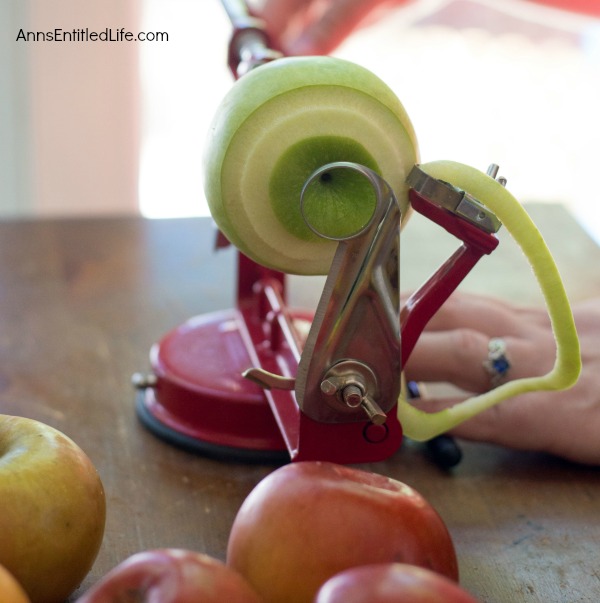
[{"x": 420, "y": 425}]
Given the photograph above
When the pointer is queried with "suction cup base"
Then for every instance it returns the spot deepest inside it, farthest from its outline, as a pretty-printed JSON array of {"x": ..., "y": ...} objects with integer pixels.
[
  {"x": 200, "y": 447},
  {"x": 200, "y": 402}
]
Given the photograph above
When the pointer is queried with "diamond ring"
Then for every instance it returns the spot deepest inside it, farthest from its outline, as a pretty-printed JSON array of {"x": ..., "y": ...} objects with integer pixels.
[{"x": 496, "y": 364}]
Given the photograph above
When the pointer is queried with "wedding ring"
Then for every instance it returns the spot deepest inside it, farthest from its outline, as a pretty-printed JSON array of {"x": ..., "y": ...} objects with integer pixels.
[{"x": 496, "y": 364}]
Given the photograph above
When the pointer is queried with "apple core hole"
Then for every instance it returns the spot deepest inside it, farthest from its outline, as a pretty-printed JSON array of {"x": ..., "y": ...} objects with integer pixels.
[{"x": 356, "y": 193}]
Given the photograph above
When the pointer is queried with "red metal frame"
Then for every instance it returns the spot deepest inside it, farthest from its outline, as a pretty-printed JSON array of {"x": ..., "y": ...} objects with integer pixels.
[
  {"x": 199, "y": 391},
  {"x": 424, "y": 303}
]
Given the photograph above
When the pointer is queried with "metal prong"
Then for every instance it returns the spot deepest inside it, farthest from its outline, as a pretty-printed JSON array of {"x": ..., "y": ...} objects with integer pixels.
[{"x": 493, "y": 170}]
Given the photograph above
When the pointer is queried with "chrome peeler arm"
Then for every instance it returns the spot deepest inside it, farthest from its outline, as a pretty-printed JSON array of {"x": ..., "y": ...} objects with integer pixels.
[{"x": 350, "y": 364}]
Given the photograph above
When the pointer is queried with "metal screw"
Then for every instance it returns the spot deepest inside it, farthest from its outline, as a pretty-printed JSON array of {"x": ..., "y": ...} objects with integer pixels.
[
  {"x": 142, "y": 381},
  {"x": 353, "y": 395}
]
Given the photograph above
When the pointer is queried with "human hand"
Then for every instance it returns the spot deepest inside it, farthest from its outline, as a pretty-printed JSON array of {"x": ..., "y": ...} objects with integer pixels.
[
  {"x": 317, "y": 27},
  {"x": 308, "y": 27},
  {"x": 454, "y": 347}
]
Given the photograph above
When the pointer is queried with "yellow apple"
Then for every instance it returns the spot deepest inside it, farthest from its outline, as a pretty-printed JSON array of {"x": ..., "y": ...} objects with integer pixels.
[
  {"x": 52, "y": 509},
  {"x": 10, "y": 590}
]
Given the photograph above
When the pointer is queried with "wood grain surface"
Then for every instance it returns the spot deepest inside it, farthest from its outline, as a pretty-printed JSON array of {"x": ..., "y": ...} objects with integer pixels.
[{"x": 83, "y": 300}]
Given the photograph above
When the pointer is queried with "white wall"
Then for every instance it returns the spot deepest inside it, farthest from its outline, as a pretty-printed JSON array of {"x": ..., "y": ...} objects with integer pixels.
[
  {"x": 15, "y": 173},
  {"x": 70, "y": 117},
  {"x": 183, "y": 83}
]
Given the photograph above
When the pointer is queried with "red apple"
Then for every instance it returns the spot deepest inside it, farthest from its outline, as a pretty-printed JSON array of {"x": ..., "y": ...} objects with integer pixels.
[
  {"x": 171, "y": 576},
  {"x": 52, "y": 509},
  {"x": 10, "y": 590},
  {"x": 307, "y": 521},
  {"x": 391, "y": 583}
]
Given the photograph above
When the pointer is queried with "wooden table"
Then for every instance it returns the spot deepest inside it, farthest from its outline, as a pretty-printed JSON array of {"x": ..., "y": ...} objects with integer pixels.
[{"x": 82, "y": 301}]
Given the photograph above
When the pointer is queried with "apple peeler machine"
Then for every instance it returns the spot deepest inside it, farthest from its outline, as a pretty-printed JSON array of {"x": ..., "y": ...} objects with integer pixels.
[{"x": 263, "y": 382}]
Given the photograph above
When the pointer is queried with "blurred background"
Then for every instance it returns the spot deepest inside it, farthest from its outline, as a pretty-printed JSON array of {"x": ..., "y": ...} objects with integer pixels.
[{"x": 97, "y": 128}]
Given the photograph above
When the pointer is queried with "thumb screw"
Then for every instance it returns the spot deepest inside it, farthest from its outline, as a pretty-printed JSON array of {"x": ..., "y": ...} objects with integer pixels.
[
  {"x": 374, "y": 412},
  {"x": 354, "y": 396}
]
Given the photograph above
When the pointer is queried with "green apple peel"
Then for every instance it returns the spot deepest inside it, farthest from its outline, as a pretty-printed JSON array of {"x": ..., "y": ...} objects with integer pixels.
[{"x": 420, "y": 425}]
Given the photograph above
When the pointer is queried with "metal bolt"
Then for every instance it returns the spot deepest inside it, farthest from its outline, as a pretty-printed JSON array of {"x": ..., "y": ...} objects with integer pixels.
[
  {"x": 142, "y": 380},
  {"x": 353, "y": 395}
]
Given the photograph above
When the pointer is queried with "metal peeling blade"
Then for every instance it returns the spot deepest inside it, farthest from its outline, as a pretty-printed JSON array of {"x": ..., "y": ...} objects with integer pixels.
[{"x": 453, "y": 199}]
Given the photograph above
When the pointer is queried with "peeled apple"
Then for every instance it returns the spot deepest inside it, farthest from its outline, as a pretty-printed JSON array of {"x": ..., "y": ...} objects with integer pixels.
[
  {"x": 277, "y": 125},
  {"x": 284, "y": 120}
]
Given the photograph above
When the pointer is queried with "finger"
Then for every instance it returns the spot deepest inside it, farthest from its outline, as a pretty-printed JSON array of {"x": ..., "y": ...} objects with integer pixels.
[
  {"x": 459, "y": 357},
  {"x": 305, "y": 27},
  {"x": 331, "y": 27},
  {"x": 587, "y": 318},
  {"x": 280, "y": 14},
  {"x": 452, "y": 357},
  {"x": 491, "y": 316},
  {"x": 505, "y": 424},
  {"x": 328, "y": 28},
  {"x": 524, "y": 423},
  {"x": 487, "y": 315}
]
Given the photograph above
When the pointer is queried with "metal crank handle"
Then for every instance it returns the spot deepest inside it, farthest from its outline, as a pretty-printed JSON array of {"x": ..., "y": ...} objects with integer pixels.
[
  {"x": 354, "y": 340},
  {"x": 250, "y": 44}
]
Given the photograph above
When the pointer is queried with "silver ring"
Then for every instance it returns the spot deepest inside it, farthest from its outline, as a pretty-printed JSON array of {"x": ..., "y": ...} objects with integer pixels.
[{"x": 497, "y": 364}]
